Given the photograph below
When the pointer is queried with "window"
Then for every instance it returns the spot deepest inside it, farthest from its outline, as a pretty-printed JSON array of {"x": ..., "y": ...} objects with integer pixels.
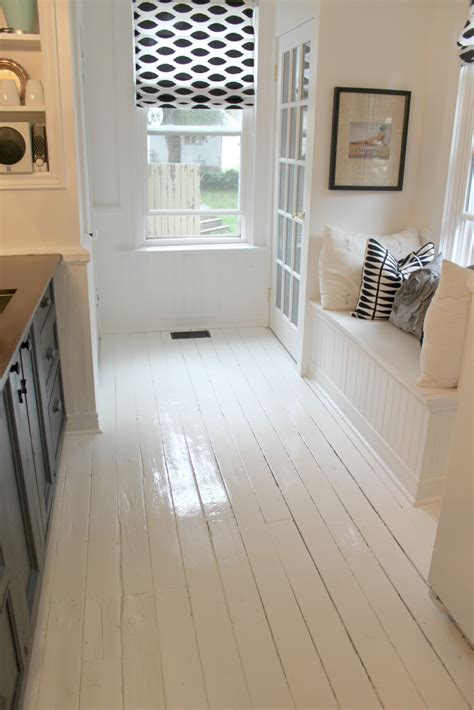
[
  {"x": 195, "y": 167},
  {"x": 457, "y": 241}
]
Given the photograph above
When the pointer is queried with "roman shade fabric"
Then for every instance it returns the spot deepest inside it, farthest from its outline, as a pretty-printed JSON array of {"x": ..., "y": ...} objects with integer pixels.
[
  {"x": 196, "y": 54},
  {"x": 466, "y": 40}
]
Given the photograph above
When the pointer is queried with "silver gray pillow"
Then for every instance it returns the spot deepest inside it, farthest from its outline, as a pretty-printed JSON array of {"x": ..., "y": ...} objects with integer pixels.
[{"x": 414, "y": 296}]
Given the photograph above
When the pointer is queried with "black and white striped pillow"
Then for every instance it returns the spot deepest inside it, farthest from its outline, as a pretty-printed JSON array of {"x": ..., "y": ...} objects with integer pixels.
[{"x": 383, "y": 275}]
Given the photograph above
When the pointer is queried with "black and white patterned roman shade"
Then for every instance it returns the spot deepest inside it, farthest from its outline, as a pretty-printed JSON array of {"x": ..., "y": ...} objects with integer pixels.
[
  {"x": 383, "y": 275},
  {"x": 197, "y": 54},
  {"x": 466, "y": 40}
]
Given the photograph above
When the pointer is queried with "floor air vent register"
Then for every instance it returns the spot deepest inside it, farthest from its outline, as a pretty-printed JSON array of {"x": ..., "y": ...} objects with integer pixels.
[{"x": 188, "y": 334}]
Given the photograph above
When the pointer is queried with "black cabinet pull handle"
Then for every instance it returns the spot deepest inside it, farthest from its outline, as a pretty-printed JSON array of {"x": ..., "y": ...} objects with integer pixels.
[
  {"x": 15, "y": 368},
  {"x": 23, "y": 387},
  {"x": 50, "y": 353},
  {"x": 25, "y": 345},
  {"x": 20, "y": 396},
  {"x": 57, "y": 406},
  {"x": 46, "y": 302}
]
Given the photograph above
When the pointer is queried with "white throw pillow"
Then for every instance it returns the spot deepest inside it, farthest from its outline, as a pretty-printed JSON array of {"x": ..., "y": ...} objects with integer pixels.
[
  {"x": 342, "y": 259},
  {"x": 445, "y": 327}
]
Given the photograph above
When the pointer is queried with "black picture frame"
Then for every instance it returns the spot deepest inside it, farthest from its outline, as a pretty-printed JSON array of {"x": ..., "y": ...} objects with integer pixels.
[{"x": 369, "y": 164}]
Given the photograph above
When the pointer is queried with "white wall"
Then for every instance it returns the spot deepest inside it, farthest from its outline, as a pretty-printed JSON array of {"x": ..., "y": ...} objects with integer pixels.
[
  {"x": 398, "y": 45},
  {"x": 403, "y": 44},
  {"x": 157, "y": 289}
]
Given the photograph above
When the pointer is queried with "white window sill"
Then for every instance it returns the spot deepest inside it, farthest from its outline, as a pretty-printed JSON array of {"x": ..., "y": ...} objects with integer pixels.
[{"x": 193, "y": 248}]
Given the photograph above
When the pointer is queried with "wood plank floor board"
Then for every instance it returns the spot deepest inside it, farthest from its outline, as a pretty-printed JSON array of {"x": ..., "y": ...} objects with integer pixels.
[
  {"x": 223, "y": 673},
  {"x": 134, "y": 540},
  {"x": 225, "y": 544},
  {"x": 444, "y": 637},
  {"x": 183, "y": 679},
  {"x": 300, "y": 504},
  {"x": 304, "y": 672},
  {"x": 383, "y": 492}
]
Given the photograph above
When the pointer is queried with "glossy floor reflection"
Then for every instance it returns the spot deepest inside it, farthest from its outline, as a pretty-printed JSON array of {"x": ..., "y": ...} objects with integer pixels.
[{"x": 224, "y": 544}]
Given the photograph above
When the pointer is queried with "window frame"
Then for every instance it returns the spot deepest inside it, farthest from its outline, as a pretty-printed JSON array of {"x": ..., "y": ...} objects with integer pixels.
[
  {"x": 457, "y": 233},
  {"x": 246, "y": 184}
]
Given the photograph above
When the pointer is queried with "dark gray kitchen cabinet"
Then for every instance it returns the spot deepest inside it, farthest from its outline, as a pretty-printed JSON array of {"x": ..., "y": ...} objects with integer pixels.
[
  {"x": 19, "y": 571},
  {"x": 32, "y": 423}
]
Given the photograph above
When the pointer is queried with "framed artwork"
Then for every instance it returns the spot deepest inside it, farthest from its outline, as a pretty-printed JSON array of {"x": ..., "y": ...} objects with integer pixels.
[{"x": 369, "y": 139}]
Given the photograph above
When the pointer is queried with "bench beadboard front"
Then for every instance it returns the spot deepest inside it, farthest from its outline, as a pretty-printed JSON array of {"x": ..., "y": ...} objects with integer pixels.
[{"x": 369, "y": 370}]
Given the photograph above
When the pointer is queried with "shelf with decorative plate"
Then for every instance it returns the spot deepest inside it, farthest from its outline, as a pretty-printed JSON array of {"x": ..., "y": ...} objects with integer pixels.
[{"x": 11, "y": 40}]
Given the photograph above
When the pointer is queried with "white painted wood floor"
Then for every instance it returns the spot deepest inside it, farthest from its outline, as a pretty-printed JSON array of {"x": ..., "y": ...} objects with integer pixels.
[{"x": 224, "y": 544}]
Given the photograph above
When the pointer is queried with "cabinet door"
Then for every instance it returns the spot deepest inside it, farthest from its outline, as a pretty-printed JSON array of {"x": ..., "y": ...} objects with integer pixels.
[
  {"x": 19, "y": 572},
  {"x": 36, "y": 422},
  {"x": 16, "y": 392},
  {"x": 11, "y": 666}
]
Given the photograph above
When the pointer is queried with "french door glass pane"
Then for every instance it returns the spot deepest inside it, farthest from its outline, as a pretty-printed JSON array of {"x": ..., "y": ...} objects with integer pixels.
[
  {"x": 293, "y": 117},
  {"x": 278, "y": 293},
  {"x": 298, "y": 240},
  {"x": 281, "y": 235},
  {"x": 295, "y": 301},
  {"x": 303, "y": 133},
  {"x": 300, "y": 189},
  {"x": 295, "y": 80},
  {"x": 286, "y": 292},
  {"x": 281, "y": 188},
  {"x": 286, "y": 78},
  {"x": 289, "y": 241},
  {"x": 284, "y": 133},
  {"x": 306, "y": 69},
  {"x": 291, "y": 188}
]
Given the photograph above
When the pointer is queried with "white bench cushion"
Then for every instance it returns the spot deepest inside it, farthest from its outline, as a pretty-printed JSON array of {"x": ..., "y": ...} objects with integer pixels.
[{"x": 396, "y": 351}]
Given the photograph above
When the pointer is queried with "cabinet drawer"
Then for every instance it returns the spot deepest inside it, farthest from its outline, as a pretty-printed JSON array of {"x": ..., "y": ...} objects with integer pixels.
[
  {"x": 49, "y": 350},
  {"x": 56, "y": 412},
  {"x": 45, "y": 307}
]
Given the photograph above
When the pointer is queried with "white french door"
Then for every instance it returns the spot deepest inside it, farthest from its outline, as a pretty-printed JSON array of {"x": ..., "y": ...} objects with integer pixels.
[{"x": 293, "y": 149}]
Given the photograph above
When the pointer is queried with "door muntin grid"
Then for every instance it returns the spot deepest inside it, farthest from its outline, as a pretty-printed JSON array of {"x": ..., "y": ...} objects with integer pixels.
[{"x": 291, "y": 176}]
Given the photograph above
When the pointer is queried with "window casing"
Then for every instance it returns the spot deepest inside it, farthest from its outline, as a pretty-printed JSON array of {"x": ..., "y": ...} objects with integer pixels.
[{"x": 457, "y": 243}]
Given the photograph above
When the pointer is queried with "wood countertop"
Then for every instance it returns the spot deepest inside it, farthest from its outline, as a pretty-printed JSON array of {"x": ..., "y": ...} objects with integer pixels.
[{"x": 29, "y": 275}]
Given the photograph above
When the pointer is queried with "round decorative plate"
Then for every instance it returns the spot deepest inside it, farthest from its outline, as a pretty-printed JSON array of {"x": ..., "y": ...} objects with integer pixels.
[{"x": 10, "y": 69}]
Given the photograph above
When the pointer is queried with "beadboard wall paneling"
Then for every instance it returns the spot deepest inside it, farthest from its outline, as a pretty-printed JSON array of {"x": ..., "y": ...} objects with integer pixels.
[
  {"x": 146, "y": 291},
  {"x": 76, "y": 341},
  {"x": 410, "y": 431}
]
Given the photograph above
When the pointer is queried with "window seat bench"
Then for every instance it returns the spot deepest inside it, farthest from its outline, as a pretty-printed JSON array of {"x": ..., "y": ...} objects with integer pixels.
[{"x": 369, "y": 370}]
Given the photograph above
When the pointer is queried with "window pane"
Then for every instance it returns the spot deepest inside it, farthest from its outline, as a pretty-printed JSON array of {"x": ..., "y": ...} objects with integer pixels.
[
  {"x": 286, "y": 293},
  {"x": 209, "y": 225},
  {"x": 286, "y": 78},
  {"x": 281, "y": 188},
  {"x": 295, "y": 301},
  {"x": 284, "y": 132},
  {"x": 291, "y": 191},
  {"x": 193, "y": 171},
  {"x": 293, "y": 115},
  {"x": 470, "y": 191},
  {"x": 300, "y": 190},
  {"x": 295, "y": 83},
  {"x": 278, "y": 293},
  {"x": 281, "y": 235},
  {"x": 303, "y": 133},
  {"x": 162, "y": 117},
  {"x": 299, "y": 239},
  {"x": 289, "y": 242},
  {"x": 306, "y": 69}
]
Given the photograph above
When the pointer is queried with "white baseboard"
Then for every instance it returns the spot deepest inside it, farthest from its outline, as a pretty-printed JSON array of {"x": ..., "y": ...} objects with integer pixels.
[
  {"x": 87, "y": 423},
  {"x": 258, "y": 320}
]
